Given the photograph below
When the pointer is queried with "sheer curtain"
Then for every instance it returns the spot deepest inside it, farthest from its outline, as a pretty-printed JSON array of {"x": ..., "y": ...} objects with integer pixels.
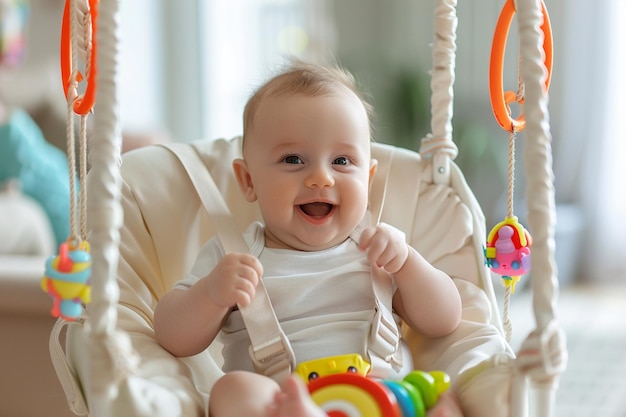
[
  {"x": 604, "y": 188},
  {"x": 242, "y": 42}
]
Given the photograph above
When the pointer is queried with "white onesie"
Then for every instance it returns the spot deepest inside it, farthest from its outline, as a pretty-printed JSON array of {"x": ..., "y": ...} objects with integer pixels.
[{"x": 324, "y": 300}]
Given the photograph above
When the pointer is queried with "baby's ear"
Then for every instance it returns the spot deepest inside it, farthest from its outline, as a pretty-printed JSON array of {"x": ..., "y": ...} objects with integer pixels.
[
  {"x": 373, "y": 166},
  {"x": 242, "y": 174}
]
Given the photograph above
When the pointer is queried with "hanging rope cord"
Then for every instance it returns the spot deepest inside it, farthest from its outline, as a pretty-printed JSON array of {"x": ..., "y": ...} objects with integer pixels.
[
  {"x": 80, "y": 28},
  {"x": 112, "y": 356},
  {"x": 508, "y": 289}
]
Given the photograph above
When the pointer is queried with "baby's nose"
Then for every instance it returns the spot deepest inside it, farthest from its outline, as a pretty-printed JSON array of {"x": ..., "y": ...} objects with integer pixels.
[{"x": 320, "y": 177}]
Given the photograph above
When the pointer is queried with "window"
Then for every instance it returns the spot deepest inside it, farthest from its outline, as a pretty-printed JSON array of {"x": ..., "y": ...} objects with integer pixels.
[{"x": 242, "y": 42}]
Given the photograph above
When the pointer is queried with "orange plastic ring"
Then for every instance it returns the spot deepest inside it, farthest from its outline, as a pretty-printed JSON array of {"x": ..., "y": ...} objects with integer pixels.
[
  {"x": 500, "y": 99},
  {"x": 83, "y": 104}
]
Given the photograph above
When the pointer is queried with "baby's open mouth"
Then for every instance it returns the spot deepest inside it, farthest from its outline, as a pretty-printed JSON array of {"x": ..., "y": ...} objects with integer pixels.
[{"x": 317, "y": 209}]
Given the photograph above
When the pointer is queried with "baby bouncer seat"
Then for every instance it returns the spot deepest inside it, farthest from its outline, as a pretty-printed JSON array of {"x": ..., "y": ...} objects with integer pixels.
[{"x": 111, "y": 363}]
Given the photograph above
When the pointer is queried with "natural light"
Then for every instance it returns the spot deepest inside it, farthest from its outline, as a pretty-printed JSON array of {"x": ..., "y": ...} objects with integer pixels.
[{"x": 613, "y": 170}]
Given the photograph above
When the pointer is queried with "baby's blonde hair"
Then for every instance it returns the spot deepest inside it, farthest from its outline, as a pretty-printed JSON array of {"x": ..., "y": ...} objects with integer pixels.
[{"x": 300, "y": 77}]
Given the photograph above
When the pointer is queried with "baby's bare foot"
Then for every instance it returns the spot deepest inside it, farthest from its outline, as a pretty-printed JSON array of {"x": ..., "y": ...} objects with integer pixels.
[{"x": 294, "y": 401}]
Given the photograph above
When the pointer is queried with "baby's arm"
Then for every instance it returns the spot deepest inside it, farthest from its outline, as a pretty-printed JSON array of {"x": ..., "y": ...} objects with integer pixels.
[
  {"x": 187, "y": 321},
  {"x": 427, "y": 299}
]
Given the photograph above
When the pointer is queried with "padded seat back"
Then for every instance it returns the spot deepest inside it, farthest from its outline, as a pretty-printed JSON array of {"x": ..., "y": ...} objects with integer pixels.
[{"x": 165, "y": 224}]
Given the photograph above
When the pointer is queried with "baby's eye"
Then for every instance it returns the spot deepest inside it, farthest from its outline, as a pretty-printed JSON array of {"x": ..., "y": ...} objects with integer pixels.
[
  {"x": 341, "y": 160},
  {"x": 293, "y": 159}
]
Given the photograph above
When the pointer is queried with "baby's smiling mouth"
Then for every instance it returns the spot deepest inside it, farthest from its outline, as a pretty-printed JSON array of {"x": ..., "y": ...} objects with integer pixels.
[{"x": 317, "y": 209}]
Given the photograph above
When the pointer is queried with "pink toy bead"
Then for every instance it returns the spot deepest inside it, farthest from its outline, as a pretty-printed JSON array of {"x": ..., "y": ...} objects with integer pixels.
[{"x": 505, "y": 244}]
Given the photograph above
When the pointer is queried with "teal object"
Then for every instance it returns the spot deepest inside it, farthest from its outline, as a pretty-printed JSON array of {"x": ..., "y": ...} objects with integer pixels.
[
  {"x": 40, "y": 167},
  {"x": 406, "y": 403}
]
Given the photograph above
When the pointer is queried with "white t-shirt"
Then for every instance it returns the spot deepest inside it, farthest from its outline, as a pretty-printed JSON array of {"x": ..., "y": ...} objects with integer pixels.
[{"x": 324, "y": 300}]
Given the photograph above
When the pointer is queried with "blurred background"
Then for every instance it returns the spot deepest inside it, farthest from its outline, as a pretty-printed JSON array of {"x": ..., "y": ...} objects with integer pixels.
[{"x": 188, "y": 66}]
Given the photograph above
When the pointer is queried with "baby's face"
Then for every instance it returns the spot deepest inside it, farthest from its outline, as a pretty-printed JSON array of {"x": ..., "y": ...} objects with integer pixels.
[{"x": 308, "y": 164}]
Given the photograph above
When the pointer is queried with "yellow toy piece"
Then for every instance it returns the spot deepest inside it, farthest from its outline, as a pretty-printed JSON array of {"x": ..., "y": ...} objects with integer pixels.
[{"x": 351, "y": 363}]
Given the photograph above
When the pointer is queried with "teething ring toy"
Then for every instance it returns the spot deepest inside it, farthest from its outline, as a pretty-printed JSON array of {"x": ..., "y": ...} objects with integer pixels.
[
  {"x": 82, "y": 105},
  {"x": 500, "y": 99}
]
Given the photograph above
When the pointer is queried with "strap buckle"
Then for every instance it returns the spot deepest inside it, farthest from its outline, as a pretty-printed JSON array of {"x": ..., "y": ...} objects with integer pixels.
[
  {"x": 384, "y": 338},
  {"x": 273, "y": 358}
]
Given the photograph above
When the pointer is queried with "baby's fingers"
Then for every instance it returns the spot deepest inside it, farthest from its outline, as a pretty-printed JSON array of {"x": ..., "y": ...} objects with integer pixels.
[
  {"x": 251, "y": 267},
  {"x": 366, "y": 237},
  {"x": 385, "y": 246},
  {"x": 376, "y": 245},
  {"x": 244, "y": 292},
  {"x": 249, "y": 272}
]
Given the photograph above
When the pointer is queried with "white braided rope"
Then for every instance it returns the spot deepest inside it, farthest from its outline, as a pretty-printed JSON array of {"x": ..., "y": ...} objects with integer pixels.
[
  {"x": 543, "y": 354},
  {"x": 112, "y": 357},
  {"x": 442, "y": 81},
  {"x": 538, "y": 163},
  {"x": 104, "y": 186}
]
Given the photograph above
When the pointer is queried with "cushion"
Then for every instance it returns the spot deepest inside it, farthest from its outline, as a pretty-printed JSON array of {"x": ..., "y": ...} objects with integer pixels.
[
  {"x": 40, "y": 168},
  {"x": 24, "y": 226}
]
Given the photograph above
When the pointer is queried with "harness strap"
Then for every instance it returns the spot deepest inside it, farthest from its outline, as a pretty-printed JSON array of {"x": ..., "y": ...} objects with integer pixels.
[
  {"x": 380, "y": 182},
  {"x": 384, "y": 337},
  {"x": 74, "y": 393},
  {"x": 270, "y": 349}
]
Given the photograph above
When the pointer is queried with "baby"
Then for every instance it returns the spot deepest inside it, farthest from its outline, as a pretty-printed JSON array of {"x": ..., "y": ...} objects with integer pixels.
[{"x": 307, "y": 164}]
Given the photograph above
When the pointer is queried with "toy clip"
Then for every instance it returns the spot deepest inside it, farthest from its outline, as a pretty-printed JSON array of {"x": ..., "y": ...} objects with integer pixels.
[
  {"x": 82, "y": 104},
  {"x": 508, "y": 251},
  {"x": 501, "y": 99},
  {"x": 66, "y": 280}
]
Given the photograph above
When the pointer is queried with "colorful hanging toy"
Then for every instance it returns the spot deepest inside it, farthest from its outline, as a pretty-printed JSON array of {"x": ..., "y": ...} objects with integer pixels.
[
  {"x": 66, "y": 280},
  {"x": 507, "y": 252},
  {"x": 67, "y": 274},
  {"x": 339, "y": 385}
]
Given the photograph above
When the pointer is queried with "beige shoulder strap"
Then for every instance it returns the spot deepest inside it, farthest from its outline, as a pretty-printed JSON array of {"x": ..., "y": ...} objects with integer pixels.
[
  {"x": 270, "y": 349},
  {"x": 378, "y": 190},
  {"x": 383, "y": 342},
  {"x": 72, "y": 388}
]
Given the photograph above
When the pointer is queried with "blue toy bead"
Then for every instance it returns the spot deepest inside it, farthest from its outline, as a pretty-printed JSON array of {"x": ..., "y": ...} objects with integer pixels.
[
  {"x": 515, "y": 265},
  {"x": 71, "y": 308},
  {"x": 402, "y": 396}
]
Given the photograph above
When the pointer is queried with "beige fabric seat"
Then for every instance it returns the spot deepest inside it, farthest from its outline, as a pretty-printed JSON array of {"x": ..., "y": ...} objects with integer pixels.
[{"x": 165, "y": 224}]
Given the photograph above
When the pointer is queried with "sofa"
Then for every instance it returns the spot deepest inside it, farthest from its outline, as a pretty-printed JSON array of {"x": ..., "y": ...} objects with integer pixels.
[{"x": 28, "y": 382}]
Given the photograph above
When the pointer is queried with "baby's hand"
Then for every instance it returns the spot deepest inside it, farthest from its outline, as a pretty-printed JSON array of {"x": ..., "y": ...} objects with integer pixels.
[
  {"x": 234, "y": 280},
  {"x": 386, "y": 247}
]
